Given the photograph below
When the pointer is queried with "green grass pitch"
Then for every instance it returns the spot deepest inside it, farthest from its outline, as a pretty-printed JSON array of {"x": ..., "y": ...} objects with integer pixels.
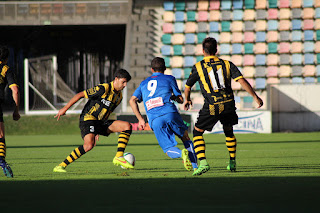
[{"x": 275, "y": 173}]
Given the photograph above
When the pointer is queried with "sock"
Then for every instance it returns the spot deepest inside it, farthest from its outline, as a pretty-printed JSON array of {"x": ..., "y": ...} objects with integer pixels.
[
  {"x": 199, "y": 145},
  {"x": 2, "y": 149},
  {"x": 122, "y": 142},
  {"x": 231, "y": 143},
  {"x": 75, "y": 154},
  {"x": 192, "y": 155},
  {"x": 174, "y": 152}
]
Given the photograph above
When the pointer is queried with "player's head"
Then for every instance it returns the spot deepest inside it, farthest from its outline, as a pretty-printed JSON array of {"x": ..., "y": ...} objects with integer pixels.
[
  {"x": 158, "y": 64},
  {"x": 209, "y": 46},
  {"x": 4, "y": 53},
  {"x": 121, "y": 78}
]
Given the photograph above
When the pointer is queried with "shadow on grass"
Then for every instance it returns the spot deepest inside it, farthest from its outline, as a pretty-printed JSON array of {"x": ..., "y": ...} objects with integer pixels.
[{"x": 200, "y": 194}]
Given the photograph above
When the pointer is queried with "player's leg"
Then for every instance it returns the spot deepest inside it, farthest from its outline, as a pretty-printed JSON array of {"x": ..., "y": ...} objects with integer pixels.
[
  {"x": 200, "y": 148},
  {"x": 125, "y": 130},
  {"x": 88, "y": 133},
  {"x": 227, "y": 122},
  {"x": 188, "y": 144},
  {"x": 3, "y": 149},
  {"x": 231, "y": 143}
]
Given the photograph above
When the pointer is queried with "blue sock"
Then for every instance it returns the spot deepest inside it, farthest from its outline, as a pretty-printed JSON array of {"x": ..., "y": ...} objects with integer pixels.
[
  {"x": 174, "y": 152},
  {"x": 192, "y": 155}
]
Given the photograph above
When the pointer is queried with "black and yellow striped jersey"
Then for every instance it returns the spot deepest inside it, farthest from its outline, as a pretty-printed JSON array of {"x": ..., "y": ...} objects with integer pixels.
[
  {"x": 214, "y": 76},
  {"x": 7, "y": 77},
  {"x": 103, "y": 99}
]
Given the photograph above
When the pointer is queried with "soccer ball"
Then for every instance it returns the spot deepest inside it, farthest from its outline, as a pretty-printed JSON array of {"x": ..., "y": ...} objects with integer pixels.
[{"x": 130, "y": 158}]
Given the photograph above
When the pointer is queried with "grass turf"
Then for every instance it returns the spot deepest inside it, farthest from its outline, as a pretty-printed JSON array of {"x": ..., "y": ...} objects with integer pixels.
[{"x": 275, "y": 172}]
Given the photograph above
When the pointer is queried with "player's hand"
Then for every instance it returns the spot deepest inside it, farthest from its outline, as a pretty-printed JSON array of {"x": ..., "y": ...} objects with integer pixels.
[
  {"x": 259, "y": 102},
  {"x": 96, "y": 138},
  {"x": 187, "y": 105},
  {"x": 142, "y": 124},
  {"x": 16, "y": 115},
  {"x": 60, "y": 113}
]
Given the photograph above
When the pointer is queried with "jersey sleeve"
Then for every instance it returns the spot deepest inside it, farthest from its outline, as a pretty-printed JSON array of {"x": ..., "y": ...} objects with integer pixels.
[
  {"x": 96, "y": 91},
  {"x": 235, "y": 72},
  {"x": 138, "y": 94},
  {"x": 174, "y": 86},
  {"x": 193, "y": 77},
  {"x": 11, "y": 78}
]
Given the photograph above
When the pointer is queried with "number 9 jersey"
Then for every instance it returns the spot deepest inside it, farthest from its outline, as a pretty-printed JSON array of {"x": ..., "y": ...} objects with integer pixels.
[{"x": 156, "y": 92}]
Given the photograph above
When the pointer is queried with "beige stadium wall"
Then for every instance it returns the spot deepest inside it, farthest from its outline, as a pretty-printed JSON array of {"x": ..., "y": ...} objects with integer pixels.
[{"x": 295, "y": 108}]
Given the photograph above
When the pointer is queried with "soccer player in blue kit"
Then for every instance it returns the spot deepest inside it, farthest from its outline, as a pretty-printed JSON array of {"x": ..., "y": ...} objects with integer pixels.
[{"x": 158, "y": 93}]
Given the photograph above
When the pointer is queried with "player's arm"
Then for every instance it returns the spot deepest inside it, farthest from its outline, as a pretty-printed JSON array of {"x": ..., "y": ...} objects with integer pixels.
[
  {"x": 16, "y": 98},
  {"x": 187, "y": 103},
  {"x": 245, "y": 85},
  {"x": 73, "y": 100},
  {"x": 135, "y": 108}
]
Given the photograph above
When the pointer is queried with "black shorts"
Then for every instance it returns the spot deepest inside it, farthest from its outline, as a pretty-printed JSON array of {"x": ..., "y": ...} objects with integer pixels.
[
  {"x": 206, "y": 121},
  {"x": 95, "y": 127}
]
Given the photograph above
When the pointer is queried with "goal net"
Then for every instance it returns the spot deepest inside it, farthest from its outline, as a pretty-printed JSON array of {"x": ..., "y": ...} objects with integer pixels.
[{"x": 45, "y": 90}]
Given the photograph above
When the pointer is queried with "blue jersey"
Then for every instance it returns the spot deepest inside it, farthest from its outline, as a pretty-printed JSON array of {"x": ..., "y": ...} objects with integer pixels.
[{"x": 156, "y": 92}]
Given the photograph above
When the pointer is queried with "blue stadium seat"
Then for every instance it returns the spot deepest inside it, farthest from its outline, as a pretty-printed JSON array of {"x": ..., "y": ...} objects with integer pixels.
[
  {"x": 214, "y": 26},
  {"x": 308, "y": 35},
  {"x": 308, "y": 47},
  {"x": 307, "y": 3},
  {"x": 237, "y": 14},
  {"x": 224, "y": 49},
  {"x": 178, "y": 27},
  {"x": 309, "y": 58},
  {"x": 273, "y": 3},
  {"x": 186, "y": 72},
  {"x": 199, "y": 58},
  {"x": 260, "y": 36},
  {"x": 177, "y": 72},
  {"x": 168, "y": 5},
  {"x": 260, "y": 59},
  {"x": 297, "y": 80},
  {"x": 190, "y": 38},
  {"x": 318, "y": 12},
  {"x": 296, "y": 59},
  {"x": 225, "y": 26},
  {"x": 166, "y": 50},
  {"x": 167, "y": 61},
  {"x": 248, "y": 48},
  {"x": 296, "y": 35},
  {"x": 225, "y": 5},
  {"x": 296, "y": 24},
  {"x": 272, "y": 24},
  {"x": 189, "y": 61},
  {"x": 249, "y": 4},
  {"x": 310, "y": 80},
  {"x": 236, "y": 48},
  {"x": 179, "y": 16},
  {"x": 318, "y": 35},
  {"x": 261, "y": 83},
  {"x": 215, "y": 35},
  {"x": 237, "y": 4}
]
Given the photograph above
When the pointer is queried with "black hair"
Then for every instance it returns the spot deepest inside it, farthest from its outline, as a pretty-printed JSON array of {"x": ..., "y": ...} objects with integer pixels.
[
  {"x": 4, "y": 53},
  {"x": 122, "y": 73},
  {"x": 209, "y": 45},
  {"x": 158, "y": 64}
]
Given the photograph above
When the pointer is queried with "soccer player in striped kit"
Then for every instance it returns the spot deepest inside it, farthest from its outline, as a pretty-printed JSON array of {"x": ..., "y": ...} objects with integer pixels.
[
  {"x": 214, "y": 76},
  {"x": 103, "y": 99},
  {"x": 7, "y": 77}
]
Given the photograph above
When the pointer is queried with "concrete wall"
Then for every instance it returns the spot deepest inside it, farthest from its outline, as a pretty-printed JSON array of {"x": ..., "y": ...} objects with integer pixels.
[{"x": 295, "y": 107}]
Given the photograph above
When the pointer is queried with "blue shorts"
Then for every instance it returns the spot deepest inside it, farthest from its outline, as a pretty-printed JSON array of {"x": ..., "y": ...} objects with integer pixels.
[{"x": 166, "y": 127}]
